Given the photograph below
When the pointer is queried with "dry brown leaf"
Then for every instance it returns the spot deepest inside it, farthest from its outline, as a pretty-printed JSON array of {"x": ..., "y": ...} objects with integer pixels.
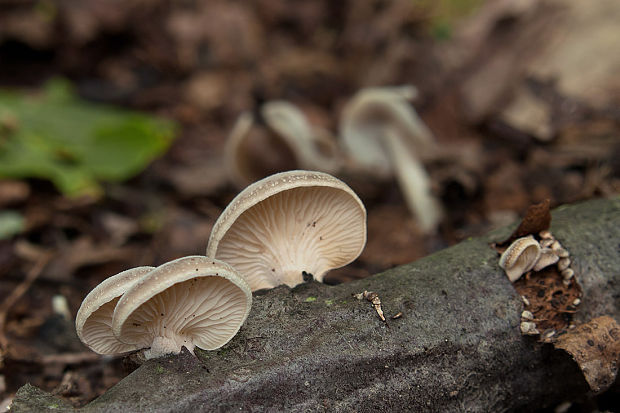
[
  {"x": 537, "y": 218},
  {"x": 595, "y": 346}
]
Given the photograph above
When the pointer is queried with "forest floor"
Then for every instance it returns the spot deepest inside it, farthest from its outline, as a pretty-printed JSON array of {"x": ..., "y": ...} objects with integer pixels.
[{"x": 493, "y": 87}]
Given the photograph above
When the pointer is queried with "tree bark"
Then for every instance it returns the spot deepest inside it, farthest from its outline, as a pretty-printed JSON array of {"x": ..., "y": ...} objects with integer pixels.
[{"x": 457, "y": 346}]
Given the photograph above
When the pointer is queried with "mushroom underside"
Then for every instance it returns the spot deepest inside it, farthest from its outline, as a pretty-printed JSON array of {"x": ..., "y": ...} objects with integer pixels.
[
  {"x": 306, "y": 229},
  {"x": 97, "y": 331},
  {"x": 204, "y": 312}
]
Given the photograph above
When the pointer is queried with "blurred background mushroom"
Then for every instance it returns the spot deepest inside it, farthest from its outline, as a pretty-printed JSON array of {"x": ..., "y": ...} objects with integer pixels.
[
  {"x": 383, "y": 135},
  {"x": 277, "y": 138}
]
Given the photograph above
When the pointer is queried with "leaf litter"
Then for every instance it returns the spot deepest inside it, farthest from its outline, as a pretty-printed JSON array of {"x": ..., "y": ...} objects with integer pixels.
[{"x": 204, "y": 63}]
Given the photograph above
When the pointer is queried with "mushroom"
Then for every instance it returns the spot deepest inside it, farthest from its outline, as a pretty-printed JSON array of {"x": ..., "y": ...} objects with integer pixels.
[
  {"x": 547, "y": 257},
  {"x": 381, "y": 132},
  {"x": 289, "y": 224},
  {"x": 529, "y": 328},
  {"x": 520, "y": 257},
  {"x": 292, "y": 141},
  {"x": 563, "y": 263},
  {"x": 93, "y": 322},
  {"x": 192, "y": 301}
]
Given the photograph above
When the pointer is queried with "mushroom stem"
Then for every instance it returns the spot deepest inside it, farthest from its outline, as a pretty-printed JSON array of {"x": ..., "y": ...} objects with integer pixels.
[
  {"x": 413, "y": 181},
  {"x": 165, "y": 345}
]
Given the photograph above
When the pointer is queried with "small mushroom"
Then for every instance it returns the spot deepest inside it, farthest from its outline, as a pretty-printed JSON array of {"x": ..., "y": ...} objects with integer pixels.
[
  {"x": 291, "y": 141},
  {"x": 527, "y": 315},
  {"x": 546, "y": 243},
  {"x": 287, "y": 224},
  {"x": 545, "y": 234},
  {"x": 192, "y": 301},
  {"x": 93, "y": 322},
  {"x": 563, "y": 263},
  {"x": 381, "y": 131},
  {"x": 547, "y": 257},
  {"x": 567, "y": 273},
  {"x": 520, "y": 257},
  {"x": 529, "y": 328}
]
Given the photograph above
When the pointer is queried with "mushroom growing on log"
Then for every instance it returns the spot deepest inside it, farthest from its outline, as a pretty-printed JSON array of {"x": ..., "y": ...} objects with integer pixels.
[
  {"x": 289, "y": 225},
  {"x": 457, "y": 346}
]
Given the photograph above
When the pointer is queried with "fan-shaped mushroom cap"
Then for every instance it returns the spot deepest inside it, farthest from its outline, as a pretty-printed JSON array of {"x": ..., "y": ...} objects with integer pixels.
[
  {"x": 520, "y": 257},
  {"x": 93, "y": 322},
  {"x": 289, "y": 223},
  {"x": 191, "y": 301}
]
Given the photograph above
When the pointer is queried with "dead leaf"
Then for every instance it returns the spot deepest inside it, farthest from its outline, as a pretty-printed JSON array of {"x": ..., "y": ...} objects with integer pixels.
[
  {"x": 537, "y": 218},
  {"x": 595, "y": 346}
]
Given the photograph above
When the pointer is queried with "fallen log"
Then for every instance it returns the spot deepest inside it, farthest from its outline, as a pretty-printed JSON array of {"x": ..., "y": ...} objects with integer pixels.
[{"x": 456, "y": 347}]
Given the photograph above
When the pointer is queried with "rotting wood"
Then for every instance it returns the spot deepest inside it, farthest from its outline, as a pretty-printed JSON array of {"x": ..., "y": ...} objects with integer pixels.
[{"x": 457, "y": 346}]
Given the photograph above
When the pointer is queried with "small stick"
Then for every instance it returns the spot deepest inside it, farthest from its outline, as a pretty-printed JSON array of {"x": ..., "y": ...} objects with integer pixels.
[{"x": 16, "y": 294}]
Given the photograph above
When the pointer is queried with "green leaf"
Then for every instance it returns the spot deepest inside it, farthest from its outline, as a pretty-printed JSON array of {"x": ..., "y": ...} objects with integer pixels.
[{"x": 74, "y": 143}]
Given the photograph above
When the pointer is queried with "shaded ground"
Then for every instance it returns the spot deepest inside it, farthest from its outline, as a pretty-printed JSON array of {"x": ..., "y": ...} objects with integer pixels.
[{"x": 202, "y": 64}]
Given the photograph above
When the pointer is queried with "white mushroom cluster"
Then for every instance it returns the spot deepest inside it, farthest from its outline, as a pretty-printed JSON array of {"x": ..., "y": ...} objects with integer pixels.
[
  {"x": 280, "y": 230},
  {"x": 526, "y": 254},
  {"x": 189, "y": 302},
  {"x": 380, "y": 134}
]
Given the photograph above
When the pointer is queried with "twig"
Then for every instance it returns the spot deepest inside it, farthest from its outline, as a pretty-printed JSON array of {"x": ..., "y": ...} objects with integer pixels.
[
  {"x": 374, "y": 299},
  {"x": 16, "y": 294}
]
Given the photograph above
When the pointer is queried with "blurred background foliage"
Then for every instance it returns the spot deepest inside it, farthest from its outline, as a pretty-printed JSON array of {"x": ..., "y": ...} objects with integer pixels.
[{"x": 52, "y": 134}]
